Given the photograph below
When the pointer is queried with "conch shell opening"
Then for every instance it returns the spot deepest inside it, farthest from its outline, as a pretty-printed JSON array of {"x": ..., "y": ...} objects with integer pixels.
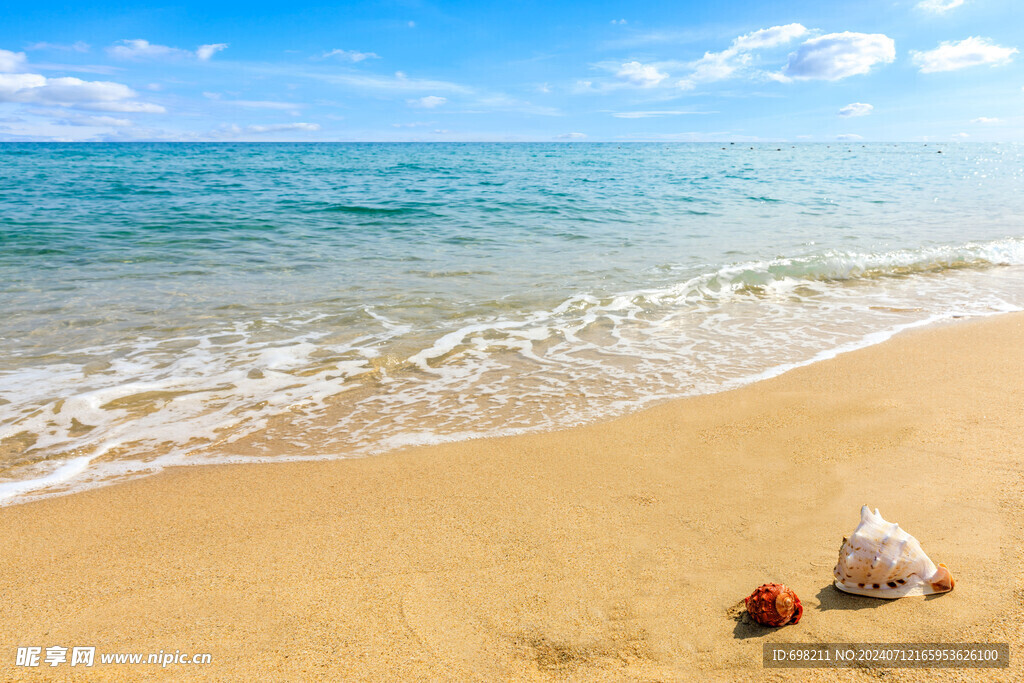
[{"x": 881, "y": 560}]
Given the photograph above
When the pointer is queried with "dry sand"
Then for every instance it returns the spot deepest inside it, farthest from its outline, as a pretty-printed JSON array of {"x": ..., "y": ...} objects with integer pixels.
[{"x": 616, "y": 551}]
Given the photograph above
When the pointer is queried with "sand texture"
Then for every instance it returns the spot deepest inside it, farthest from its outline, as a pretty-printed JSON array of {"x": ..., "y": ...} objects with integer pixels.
[{"x": 617, "y": 551}]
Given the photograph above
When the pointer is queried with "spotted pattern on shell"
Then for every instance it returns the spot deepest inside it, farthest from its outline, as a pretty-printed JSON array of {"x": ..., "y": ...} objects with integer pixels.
[{"x": 881, "y": 560}]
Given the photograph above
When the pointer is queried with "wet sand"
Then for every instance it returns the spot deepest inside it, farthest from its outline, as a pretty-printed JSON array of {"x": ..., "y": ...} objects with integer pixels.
[{"x": 616, "y": 551}]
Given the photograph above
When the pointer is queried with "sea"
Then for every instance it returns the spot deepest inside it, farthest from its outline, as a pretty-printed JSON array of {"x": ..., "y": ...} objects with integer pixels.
[{"x": 187, "y": 304}]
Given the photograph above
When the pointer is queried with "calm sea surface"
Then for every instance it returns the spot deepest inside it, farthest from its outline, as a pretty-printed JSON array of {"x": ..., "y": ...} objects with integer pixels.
[{"x": 176, "y": 303}]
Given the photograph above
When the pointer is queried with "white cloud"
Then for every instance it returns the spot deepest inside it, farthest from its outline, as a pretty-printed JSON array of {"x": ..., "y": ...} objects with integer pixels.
[
  {"x": 138, "y": 48},
  {"x": 262, "y": 104},
  {"x": 953, "y": 55},
  {"x": 124, "y": 107},
  {"x": 11, "y": 61},
  {"x": 428, "y": 102},
  {"x": 204, "y": 52},
  {"x": 776, "y": 76},
  {"x": 399, "y": 83},
  {"x": 277, "y": 127},
  {"x": 95, "y": 121},
  {"x": 856, "y": 109},
  {"x": 986, "y": 119},
  {"x": 715, "y": 66},
  {"x": 350, "y": 55},
  {"x": 849, "y": 137},
  {"x": 655, "y": 114},
  {"x": 714, "y": 136},
  {"x": 235, "y": 130},
  {"x": 571, "y": 136},
  {"x": 641, "y": 75},
  {"x": 939, "y": 6},
  {"x": 839, "y": 55},
  {"x": 718, "y": 66},
  {"x": 960, "y": 136},
  {"x": 71, "y": 92},
  {"x": 38, "y": 88},
  {"x": 769, "y": 37},
  {"x": 77, "y": 46},
  {"x": 619, "y": 22}
]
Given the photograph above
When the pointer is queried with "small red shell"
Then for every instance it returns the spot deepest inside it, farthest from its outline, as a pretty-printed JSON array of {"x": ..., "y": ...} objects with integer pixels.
[{"x": 774, "y": 604}]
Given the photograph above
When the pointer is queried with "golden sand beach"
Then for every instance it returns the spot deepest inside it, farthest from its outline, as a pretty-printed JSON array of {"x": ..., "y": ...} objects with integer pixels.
[{"x": 615, "y": 551}]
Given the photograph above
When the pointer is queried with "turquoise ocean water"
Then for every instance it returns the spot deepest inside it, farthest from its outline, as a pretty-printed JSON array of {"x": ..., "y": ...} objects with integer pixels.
[{"x": 174, "y": 303}]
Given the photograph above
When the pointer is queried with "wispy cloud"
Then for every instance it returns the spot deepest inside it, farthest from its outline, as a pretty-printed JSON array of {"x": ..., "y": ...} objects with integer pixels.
[
  {"x": 571, "y": 136},
  {"x": 400, "y": 82},
  {"x": 278, "y": 127},
  {"x": 642, "y": 38},
  {"x": 103, "y": 69},
  {"x": 123, "y": 107},
  {"x": 94, "y": 121},
  {"x": 264, "y": 104},
  {"x": 856, "y": 109},
  {"x": 77, "y": 46},
  {"x": 768, "y": 37},
  {"x": 234, "y": 130},
  {"x": 657, "y": 114},
  {"x": 204, "y": 52},
  {"x": 349, "y": 55},
  {"x": 953, "y": 55},
  {"x": 693, "y": 136},
  {"x": 986, "y": 120},
  {"x": 428, "y": 102},
  {"x": 139, "y": 49},
  {"x": 939, "y": 6},
  {"x": 632, "y": 74},
  {"x": 254, "y": 104}
]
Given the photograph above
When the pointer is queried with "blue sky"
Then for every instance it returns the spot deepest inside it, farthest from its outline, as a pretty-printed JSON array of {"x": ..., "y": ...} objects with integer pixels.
[{"x": 600, "y": 71}]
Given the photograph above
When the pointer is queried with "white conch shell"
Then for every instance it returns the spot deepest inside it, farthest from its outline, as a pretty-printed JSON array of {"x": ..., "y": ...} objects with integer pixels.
[{"x": 881, "y": 560}]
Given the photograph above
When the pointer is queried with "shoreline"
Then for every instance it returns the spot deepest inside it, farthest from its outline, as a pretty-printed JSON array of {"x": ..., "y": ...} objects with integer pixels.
[
  {"x": 618, "y": 549},
  {"x": 23, "y": 489}
]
